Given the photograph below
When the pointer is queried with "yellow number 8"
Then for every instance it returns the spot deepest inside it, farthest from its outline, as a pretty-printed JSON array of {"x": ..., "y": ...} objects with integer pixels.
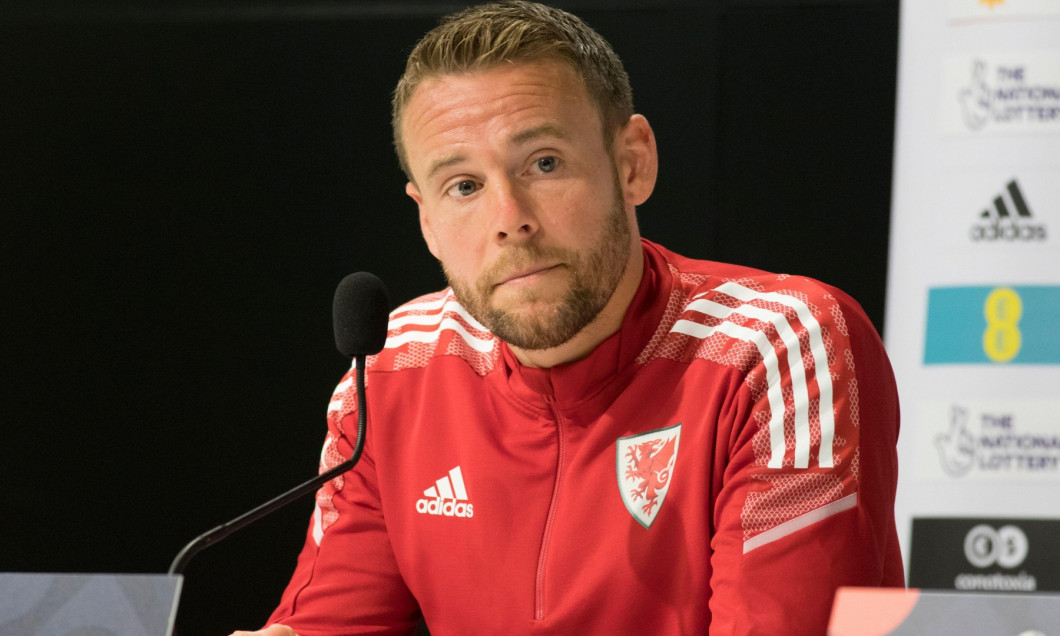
[{"x": 1002, "y": 338}]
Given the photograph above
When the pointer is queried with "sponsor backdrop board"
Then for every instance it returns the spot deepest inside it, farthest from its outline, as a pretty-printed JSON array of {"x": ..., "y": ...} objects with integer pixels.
[
  {"x": 973, "y": 296},
  {"x": 994, "y": 555}
]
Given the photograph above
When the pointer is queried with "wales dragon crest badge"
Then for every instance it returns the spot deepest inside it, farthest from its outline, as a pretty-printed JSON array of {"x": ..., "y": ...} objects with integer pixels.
[{"x": 645, "y": 467}]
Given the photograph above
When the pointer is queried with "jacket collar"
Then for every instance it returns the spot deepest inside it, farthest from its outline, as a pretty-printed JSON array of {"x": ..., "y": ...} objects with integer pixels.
[{"x": 611, "y": 364}]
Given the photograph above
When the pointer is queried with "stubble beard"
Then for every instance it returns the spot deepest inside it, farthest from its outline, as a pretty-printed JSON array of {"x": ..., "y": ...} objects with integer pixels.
[{"x": 594, "y": 276}]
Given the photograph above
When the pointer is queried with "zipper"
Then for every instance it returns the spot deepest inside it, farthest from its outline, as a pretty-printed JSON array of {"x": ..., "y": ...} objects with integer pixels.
[{"x": 539, "y": 592}]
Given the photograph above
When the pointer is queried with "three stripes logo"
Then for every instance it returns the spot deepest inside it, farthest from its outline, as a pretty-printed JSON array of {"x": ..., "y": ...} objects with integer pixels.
[
  {"x": 1000, "y": 222},
  {"x": 796, "y": 327},
  {"x": 447, "y": 497}
]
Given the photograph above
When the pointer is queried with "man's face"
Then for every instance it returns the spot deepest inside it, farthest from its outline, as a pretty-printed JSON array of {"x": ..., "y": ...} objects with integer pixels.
[{"x": 520, "y": 198}]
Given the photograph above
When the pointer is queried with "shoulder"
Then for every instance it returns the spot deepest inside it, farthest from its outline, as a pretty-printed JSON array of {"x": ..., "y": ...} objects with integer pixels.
[
  {"x": 419, "y": 332},
  {"x": 431, "y": 326},
  {"x": 794, "y": 341},
  {"x": 737, "y": 316}
]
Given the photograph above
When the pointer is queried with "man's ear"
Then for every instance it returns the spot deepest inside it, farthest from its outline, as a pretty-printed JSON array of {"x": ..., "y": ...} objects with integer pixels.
[
  {"x": 425, "y": 225},
  {"x": 637, "y": 159}
]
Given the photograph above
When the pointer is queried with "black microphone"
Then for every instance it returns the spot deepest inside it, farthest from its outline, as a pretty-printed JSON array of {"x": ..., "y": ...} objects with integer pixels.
[{"x": 360, "y": 313}]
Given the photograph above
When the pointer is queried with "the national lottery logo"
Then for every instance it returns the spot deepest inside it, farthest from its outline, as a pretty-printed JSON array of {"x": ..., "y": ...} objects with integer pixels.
[
  {"x": 956, "y": 447},
  {"x": 1004, "y": 94},
  {"x": 1009, "y": 94},
  {"x": 995, "y": 443}
]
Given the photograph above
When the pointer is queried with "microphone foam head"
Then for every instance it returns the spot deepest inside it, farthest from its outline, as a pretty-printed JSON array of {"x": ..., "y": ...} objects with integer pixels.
[{"x": 360, "y": 313}]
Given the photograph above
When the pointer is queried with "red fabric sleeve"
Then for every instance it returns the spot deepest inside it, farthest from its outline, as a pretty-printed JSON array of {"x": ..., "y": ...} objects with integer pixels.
[
  {"x": 786, "y": 537},
  {"x": 346, "y": 580}
]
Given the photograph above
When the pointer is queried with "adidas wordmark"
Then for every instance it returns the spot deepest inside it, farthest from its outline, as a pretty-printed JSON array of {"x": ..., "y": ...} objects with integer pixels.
[{"x": 447, "y": 497}]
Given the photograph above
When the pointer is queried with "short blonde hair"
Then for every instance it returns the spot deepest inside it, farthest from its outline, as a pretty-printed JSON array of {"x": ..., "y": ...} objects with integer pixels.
[{"x": 485, "y": 36}]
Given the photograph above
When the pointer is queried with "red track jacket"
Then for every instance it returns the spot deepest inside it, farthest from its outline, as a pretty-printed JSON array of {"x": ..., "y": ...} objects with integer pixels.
[{"x": 720, "y": 465}]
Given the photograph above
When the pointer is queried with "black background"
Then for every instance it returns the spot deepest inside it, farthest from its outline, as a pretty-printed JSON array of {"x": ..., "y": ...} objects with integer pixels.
[
  {"x": 937, "y": 552},
  {"x": 182, "y": 185}
]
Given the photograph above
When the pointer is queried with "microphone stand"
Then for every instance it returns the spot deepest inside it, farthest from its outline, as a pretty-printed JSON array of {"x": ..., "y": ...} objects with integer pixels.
[{"x": 211, "y": 537}]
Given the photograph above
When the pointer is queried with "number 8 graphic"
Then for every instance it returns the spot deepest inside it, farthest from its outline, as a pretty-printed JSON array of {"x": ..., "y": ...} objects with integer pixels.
[{"x": 1002, "y": 310}]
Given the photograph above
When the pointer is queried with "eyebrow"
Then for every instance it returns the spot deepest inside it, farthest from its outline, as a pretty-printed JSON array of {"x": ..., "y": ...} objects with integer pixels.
[
  {"x": 519, "y": 138},
  {"x": 544, "y": 130},
  {"x": 444, "y": 162}
]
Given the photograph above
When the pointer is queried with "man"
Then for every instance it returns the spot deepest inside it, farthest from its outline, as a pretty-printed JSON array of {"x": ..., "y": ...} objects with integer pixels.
[{"x": 588, "y": 433}]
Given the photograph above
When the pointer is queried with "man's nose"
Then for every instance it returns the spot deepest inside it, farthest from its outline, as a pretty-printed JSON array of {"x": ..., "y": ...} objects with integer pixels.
[{"x": 513, "y": 212}]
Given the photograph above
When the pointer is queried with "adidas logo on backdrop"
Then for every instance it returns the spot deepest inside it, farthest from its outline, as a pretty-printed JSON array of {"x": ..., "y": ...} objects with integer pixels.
[
  {"x": 1002, "y": 223},
  {"x": 447, "y": 497}
]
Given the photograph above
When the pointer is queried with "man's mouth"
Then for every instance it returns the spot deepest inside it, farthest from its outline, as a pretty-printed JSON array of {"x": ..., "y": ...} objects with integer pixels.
[{"x": 526, "y": 276}]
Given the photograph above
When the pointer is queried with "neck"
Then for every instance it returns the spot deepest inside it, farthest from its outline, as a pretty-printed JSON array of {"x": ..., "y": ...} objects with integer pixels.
[{"x": 607, "y": 322}]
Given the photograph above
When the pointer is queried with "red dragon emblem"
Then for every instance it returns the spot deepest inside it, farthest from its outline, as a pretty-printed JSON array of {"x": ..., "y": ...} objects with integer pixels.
[{"x": 649, "y": 464}]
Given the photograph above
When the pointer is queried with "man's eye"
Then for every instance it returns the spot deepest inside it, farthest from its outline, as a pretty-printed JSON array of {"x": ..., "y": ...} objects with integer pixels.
[
  {"x": 547, "y": 164},
  {"x": 463, "y": 189}
]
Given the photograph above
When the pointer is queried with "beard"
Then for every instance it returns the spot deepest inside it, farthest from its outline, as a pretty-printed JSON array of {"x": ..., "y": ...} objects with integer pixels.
[{"x": 594, "y": 275}]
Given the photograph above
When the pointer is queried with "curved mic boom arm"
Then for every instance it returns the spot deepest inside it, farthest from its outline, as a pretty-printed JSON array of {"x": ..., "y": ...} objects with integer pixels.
[{"x": 211, "y": 537}]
